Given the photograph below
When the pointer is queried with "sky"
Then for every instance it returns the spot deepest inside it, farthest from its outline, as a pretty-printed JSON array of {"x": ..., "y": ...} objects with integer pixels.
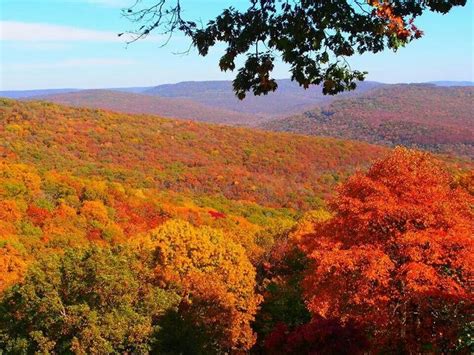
[{"x": 74, "y": 44}]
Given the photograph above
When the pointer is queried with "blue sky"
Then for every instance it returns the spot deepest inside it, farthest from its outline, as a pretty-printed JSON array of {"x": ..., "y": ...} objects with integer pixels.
[{"x": 73, "y": 43}]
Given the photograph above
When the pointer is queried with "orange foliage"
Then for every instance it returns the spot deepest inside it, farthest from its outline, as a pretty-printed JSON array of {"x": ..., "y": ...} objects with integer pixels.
[
  {"x": 9, "y": 211},
  {"x": 398, "y": 252},
  {"x": 395, "y": 25},
  {"x": 12, "y": 266},
  {"x": 95, "y": 211}
]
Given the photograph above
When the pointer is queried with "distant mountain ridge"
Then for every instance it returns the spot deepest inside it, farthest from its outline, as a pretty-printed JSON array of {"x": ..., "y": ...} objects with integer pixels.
[
  {"x": 440, "y": 119},
  {"x": 133, "y": 103},
  {"x": 288, "y": 98},
  {"x": 452, "y": 83},
  {"x": 180, "y": 89},
  {"x": 22, "y": 94},
  {"x": 208, "y": 101}
]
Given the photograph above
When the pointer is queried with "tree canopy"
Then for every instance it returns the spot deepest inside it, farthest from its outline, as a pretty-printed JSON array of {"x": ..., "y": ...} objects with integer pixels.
[
  {"x": 136, "y": 234},
  {"x": 85, "y": 301},
  {"x": 396, "y": 257},
  {"x": 314, "y": 37}
]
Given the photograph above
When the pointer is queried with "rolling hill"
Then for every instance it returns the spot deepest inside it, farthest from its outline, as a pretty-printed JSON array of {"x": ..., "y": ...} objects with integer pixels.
[
  {"x": 440, "y": 119},
  {"x": 272, "y": 169},
  {"x": 129, "y": 102},
  {"x": 208, "y": 101},
  {"x": 289, "y": 98}
]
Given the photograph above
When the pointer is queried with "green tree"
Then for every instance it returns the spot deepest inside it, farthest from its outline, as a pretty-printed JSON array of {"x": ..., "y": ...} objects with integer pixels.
[
  {"x": 85, "y": 301},
  {"x": 313, "y": 36}
]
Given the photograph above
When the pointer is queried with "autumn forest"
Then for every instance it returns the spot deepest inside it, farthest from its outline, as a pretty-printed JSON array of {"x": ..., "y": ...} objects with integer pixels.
[
  {"x": 188, "y": 237},
  {"x": 321, "y": 214}
]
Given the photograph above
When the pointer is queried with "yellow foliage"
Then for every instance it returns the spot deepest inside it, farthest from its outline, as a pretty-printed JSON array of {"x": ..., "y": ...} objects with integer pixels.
[
  {"x": 308, "y": 223},
  {"x": 12, "y": 266},
  {"x": 23, "y": 176},
  {"x": 94, "y": 211},
  {"x": 208, "y": 266}
]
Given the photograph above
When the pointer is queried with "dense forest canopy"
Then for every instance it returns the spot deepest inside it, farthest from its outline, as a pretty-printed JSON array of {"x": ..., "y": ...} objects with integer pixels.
[
  {"x": 313, "y": 36},
  {"x": 106, "y": 245},
  {"x": 272, "y": 169}
]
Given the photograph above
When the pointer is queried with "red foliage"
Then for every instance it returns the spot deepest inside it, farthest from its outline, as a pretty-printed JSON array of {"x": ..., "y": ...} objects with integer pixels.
[
  {"x": 216, "y": 215},
  {"x": 38, "y": 215},
  {"x": 398, "y": 254},
  {"x": 136, "y": 217},
  {"x": 94, "y": 235}
]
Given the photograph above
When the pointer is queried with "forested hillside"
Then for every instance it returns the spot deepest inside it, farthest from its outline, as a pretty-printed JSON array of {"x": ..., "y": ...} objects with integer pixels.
[
  {"x": 435, "y": 118},
  {"x": 274, "y": 169},
  {"x": 139, "y": 234},
  {"x": 75, "y": 179},
  {"x": 71, "y": 176},
  {"x": 440, "y": 119}
]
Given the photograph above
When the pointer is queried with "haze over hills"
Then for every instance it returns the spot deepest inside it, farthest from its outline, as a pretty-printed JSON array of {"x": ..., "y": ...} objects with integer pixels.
[
  {"x": 452, "y": 83},
  {"x": 21, "y": 94},
  {"x": 129, "y": 102},
  {"x": 217, "y": 89},
  {"x": 440, "y": 119},
  {"x": 211, "y": 101},
  {"x": 289, "y": 98}
]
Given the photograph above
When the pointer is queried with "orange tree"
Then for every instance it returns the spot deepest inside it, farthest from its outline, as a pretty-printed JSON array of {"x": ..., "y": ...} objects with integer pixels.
[{"x": 397, "y": 255}]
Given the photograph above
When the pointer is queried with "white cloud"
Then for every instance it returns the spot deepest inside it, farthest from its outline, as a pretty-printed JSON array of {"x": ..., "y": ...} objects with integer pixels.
[
  {"x": 70, "y": 63},
  {"x": 34, "y": 32}
]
